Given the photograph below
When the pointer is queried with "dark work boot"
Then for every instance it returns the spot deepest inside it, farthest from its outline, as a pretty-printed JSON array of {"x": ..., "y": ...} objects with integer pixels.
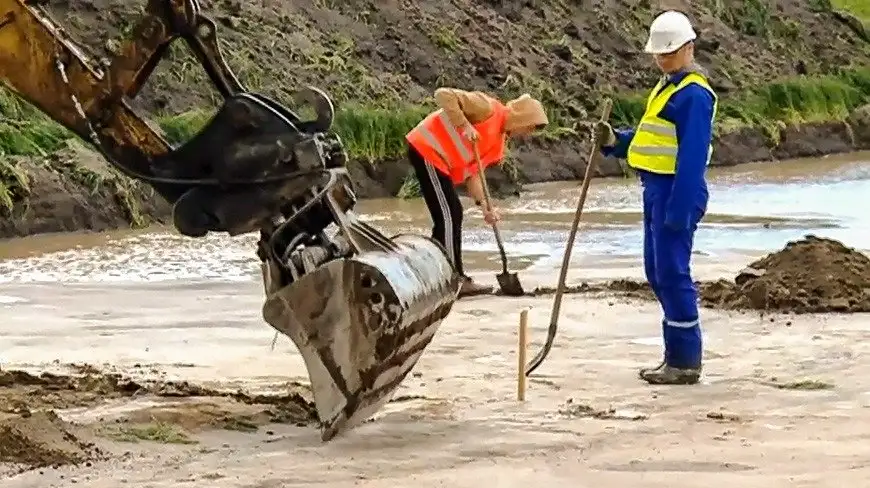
[{"x": 663, "y": 374}]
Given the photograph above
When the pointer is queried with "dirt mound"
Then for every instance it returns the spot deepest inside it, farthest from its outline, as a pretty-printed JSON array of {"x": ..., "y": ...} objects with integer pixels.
[
  {"x": 812, "y": 275},
  {"x": 41, "y": 440}
]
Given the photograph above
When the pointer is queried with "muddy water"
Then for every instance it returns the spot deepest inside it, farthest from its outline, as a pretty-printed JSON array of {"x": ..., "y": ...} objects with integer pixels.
[{"x": 753, "y": 209}]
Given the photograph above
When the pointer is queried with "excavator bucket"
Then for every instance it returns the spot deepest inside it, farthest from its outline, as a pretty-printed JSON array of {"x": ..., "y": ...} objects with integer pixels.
[{"x": 362, "y": 323}]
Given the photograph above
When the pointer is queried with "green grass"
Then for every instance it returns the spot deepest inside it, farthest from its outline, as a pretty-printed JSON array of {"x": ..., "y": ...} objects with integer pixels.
[
  {"x": 155, "y": 432},
  {"x": 378, "y": 133},
  {"x": 14, "y": 184},
  {"x": 375, "y": 134},
  {"x": 26, "y": 131},
  {"x": 750, "y": 17},
  {"x": 368, "y": 133},
  {"x": 410, "y": 187},
  {"x": 858, "y": 8},
  {"x": 792, "y": 100}
]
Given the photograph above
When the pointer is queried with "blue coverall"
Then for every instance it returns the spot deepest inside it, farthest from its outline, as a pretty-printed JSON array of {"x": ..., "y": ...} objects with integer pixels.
[{"x": 673, "y": 206}]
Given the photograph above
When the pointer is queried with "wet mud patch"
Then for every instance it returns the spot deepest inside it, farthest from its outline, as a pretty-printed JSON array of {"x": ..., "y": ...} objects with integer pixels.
[
  {"x": 623, "y": 287},
  {"x": 42, "y": 440},
  {"x": 811, "y": 275}
]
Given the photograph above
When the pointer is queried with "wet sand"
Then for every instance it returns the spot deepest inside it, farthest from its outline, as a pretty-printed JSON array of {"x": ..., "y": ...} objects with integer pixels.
[{"x": 752, "y": 423}]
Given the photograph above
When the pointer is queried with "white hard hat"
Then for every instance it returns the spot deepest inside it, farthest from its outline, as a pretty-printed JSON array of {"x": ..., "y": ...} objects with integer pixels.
[{"x": 669, "y": 32}]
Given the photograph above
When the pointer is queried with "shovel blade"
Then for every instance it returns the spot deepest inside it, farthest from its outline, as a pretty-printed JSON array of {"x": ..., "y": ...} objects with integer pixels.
[
  {"x": 509, "y": 283},
  {"x": 362, "y": 323}
]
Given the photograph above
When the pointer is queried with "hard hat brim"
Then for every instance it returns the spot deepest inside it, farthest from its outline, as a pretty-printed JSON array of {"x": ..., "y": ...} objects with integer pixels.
[{"x": 651, "y": 48}]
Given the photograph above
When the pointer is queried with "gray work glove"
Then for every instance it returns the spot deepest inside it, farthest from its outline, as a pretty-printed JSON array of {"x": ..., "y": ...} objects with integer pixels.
[{"x": 604, "y": 133}]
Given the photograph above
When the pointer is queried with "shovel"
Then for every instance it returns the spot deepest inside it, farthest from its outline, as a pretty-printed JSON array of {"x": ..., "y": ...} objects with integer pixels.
[
  {"x": 591, "y": 165},
  {"x": 507, "y": 281}
]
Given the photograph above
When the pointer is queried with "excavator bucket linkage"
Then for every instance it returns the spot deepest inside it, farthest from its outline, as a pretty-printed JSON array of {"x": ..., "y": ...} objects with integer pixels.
[{"x": 359, "y": 306}]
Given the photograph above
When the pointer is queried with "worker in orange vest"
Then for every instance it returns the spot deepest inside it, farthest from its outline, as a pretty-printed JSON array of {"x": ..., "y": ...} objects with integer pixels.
[{"x": 441, "y": 151}]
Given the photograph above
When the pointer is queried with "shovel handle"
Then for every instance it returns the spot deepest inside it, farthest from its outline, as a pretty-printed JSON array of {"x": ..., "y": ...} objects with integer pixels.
[
  {"x": 591, "y": 164},
  {"x": 488, "y": 200}
]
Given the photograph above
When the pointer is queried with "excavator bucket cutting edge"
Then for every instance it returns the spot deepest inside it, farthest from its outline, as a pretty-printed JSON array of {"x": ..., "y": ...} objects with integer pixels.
[{"x": 361, "y": 324}]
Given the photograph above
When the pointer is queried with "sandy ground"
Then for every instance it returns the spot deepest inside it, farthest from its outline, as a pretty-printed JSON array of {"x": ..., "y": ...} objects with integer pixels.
[{"x": 785, "y": 401}]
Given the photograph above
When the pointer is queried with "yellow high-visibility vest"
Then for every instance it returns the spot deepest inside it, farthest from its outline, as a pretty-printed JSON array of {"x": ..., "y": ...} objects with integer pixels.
[{"x": 654, "y": 146}]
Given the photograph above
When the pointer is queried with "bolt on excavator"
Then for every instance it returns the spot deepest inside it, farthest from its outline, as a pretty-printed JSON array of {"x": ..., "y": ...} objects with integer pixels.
[{"x": 359, "y": 306}]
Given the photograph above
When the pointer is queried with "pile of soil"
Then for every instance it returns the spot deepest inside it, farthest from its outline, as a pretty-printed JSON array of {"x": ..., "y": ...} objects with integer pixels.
[
  {"x": 41, "y": 440},
  {"x": 812, "y": 275}
]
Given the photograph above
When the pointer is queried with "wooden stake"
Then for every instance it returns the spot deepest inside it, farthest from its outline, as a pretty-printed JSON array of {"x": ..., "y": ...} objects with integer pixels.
[{"x": 521, "y": 355}]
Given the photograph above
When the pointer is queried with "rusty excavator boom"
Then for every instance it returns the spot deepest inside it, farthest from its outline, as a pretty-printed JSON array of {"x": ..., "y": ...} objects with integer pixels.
[{"x": 359, "y": 306}]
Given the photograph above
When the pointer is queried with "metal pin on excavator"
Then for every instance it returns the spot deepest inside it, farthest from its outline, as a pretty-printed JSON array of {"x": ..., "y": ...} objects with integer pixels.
[{"x": 359, "y": 306}]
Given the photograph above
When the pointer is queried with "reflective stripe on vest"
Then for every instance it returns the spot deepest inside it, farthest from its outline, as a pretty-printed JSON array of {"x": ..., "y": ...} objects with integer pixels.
[
  {"x": 438, "y": 141},
  {"x": 654, "y": 146}
]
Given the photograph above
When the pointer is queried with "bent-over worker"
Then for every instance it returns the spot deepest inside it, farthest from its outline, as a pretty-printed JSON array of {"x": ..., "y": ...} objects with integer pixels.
[
  {"x": 441, "y": 151},
  {"x": 670, "y": 150}
]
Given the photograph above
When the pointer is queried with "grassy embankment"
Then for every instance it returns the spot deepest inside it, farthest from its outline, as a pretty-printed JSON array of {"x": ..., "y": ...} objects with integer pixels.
[
  {"x": 792, "y": 100},
  {"x": 858, "y": 8},
  {"x": 26, "y": 134},
  {"x": 377, "y": 134}
]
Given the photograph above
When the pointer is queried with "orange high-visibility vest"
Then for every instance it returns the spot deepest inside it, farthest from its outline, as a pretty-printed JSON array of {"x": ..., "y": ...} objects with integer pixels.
[{"x": 442, "y": 146}]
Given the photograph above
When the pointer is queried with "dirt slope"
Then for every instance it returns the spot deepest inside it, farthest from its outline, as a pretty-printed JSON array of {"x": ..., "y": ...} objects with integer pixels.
[{"x": 391, "y": 51}]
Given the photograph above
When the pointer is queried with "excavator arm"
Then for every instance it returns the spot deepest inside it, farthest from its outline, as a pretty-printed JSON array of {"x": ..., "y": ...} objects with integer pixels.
[{"x": 359, "y": 306}]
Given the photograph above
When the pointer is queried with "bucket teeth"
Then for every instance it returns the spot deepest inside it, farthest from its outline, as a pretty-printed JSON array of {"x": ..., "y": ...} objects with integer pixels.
[{"x": 361, "y": 324}]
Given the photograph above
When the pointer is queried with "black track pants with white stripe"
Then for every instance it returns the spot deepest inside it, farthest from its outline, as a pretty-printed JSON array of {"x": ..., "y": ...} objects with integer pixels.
[{"x": 444, "y": 206}]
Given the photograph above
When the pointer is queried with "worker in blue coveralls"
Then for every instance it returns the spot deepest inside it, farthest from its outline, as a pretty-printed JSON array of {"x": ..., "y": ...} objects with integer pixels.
[{"x": 670, "y": 150}]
